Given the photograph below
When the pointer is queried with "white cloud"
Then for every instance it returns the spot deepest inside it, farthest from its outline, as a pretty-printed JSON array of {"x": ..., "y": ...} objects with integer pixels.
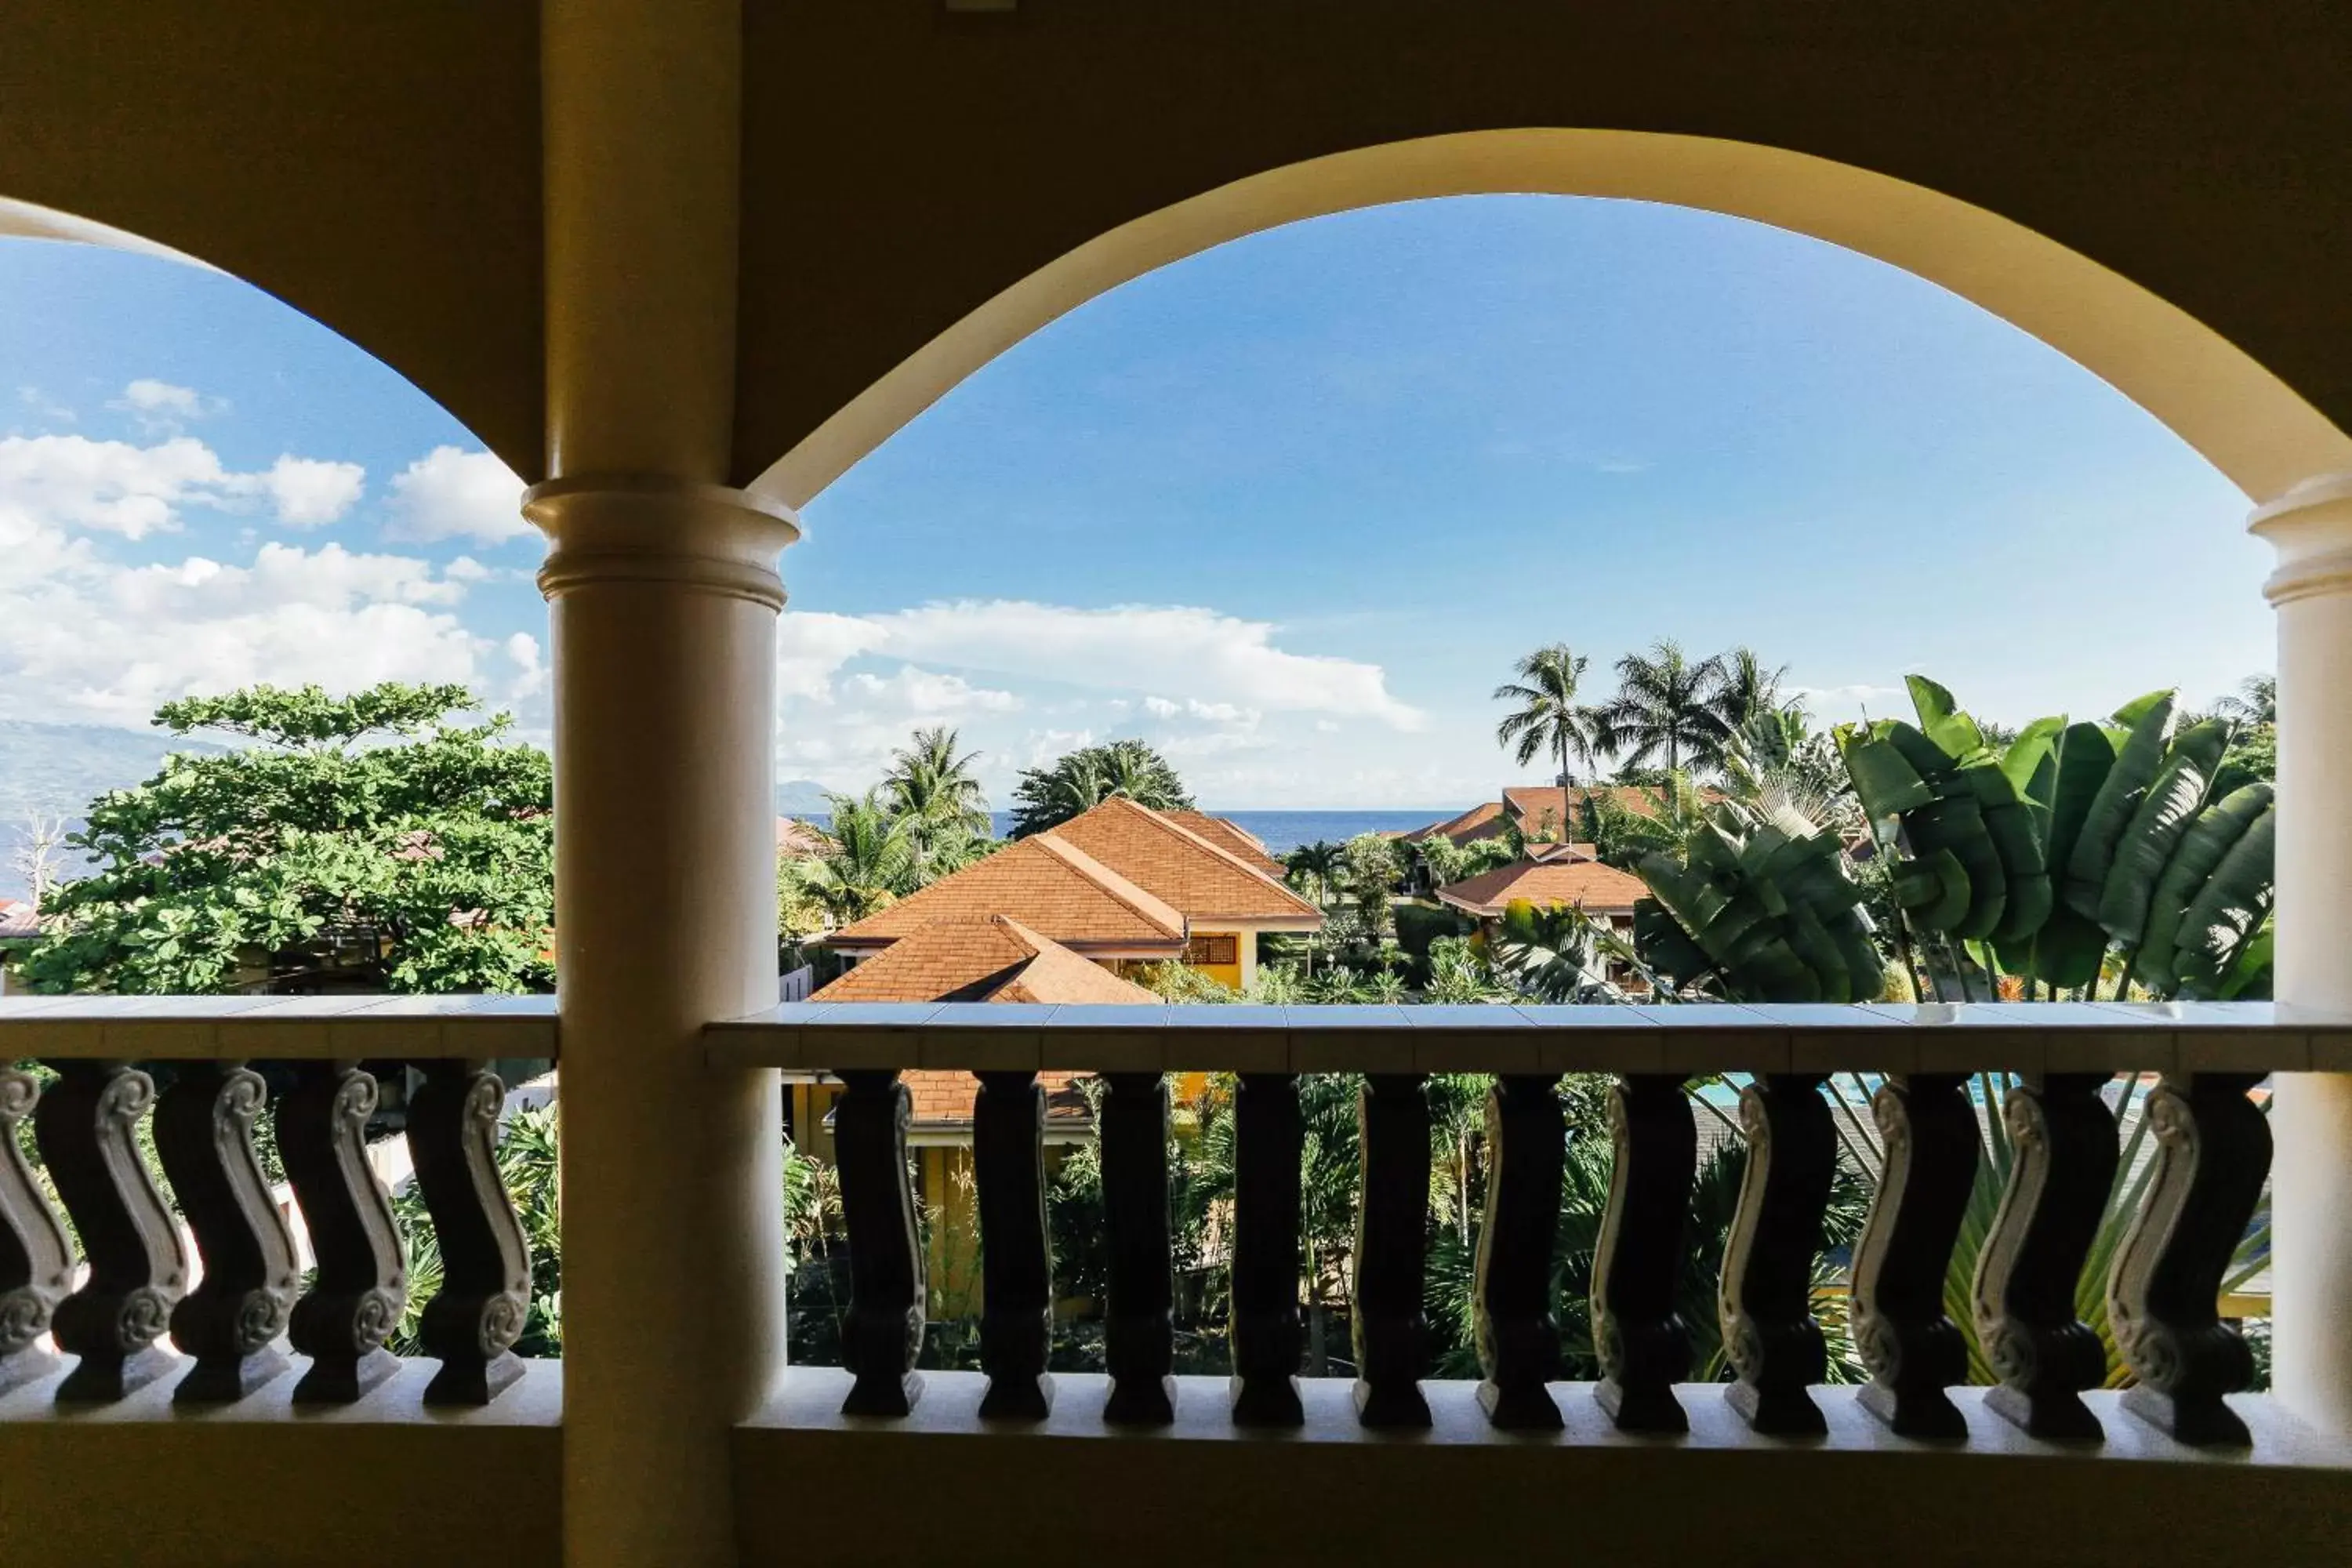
[
  {"x": 111, "y": 486},
  {"x": 309, "y": 492},
  {"x": 450, "y": 493},
  {"x": 160, "y": 408},
  {"x": 530, "y": 678},
  {"x": 929, "y": 694},
  {"x": 1229, "y": 665},
  {"x": 41, "y": 405},
  {"x": 91, "y": 641},
  {"x": 811, "y": 645}
]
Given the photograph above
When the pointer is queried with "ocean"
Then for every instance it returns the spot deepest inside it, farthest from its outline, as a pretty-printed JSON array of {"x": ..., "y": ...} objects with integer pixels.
[{"x": 1280, "y": 830}]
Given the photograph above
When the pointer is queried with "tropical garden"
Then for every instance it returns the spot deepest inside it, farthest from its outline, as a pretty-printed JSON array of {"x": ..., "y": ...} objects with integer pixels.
[{"x": 385, "y": 840}]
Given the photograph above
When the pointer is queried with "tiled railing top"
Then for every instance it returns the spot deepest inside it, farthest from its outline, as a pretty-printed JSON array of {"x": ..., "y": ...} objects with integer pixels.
[
  {"x": 2255, "y": 1036},
  {"x": 194, "y": 1028}
]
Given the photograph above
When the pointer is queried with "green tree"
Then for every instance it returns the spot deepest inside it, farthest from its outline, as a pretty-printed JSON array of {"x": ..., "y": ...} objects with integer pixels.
[
  {"x": 1744, "y": 689},
  {"x": 1371, "y": 871},
  {"x": 931, "y": 788},
  {"x": 1315, "y": 869},
  {"x": 873, "y": 863},
  {"x": 1081, "y": 779},
  {"x": 371, "y": 841},
  {"x": 1549, "y": 721},
  {"x": 1664, "y": 709}
]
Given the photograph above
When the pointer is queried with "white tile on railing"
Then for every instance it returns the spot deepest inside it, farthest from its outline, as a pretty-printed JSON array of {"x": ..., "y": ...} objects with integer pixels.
[
  {"x": 290, "y": 1027},
  {"x": 1227, "y": 1036},
  {"x": 185, "y": 1028},
  {"x": 503, "y": 1026},
  {"x": 985, "y": 1037},
  {"x": 2088, "y": 1037},
  {"x": 1827, "y": 1036},
  {"x": 2327, "y": 1031},
  {"x": 770, "y": 1037},
  {"x": 2215, "y": 1036},
  {"x": 866, "y": 1035},
  {"x": 1594, "y": 1038},
  {"x": 1974, "y": 1036},
  {"x": 1720, "y": 1037},
  {"x": 1370, "y": 1037},
  {"x": 1477, "y": 1038},
  {"x": 1110, "y": 1037}
]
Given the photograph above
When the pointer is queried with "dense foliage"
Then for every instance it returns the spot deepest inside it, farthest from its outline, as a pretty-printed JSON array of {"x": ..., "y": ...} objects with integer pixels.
[
  {"x": 1081, "y": 779},
  {"x": 372, "y": 841}
]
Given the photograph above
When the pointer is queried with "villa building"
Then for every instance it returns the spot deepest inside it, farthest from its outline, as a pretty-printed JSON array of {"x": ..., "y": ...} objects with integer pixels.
[{"x": 1553, "y": 874}]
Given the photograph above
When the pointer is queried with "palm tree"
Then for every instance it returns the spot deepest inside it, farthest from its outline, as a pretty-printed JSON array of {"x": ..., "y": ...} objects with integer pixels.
[
  {"x": 1663, "y": 708},
  {"x": 1314, "y": 869},
  {"x": 928, "y": 780},
  {"x": 873, "y": 862},
  {"x": 1080, "y": 781},
  {"x": 1548, "y": 717},
  {"x": 1743, "y": 686},
  {"x": 2256, "y": 701}
]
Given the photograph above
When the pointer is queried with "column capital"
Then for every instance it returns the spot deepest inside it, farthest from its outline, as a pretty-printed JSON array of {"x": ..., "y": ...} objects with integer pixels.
[
  {"x": 2311, "y": 528},
  {"x": 653, "y": 528}
]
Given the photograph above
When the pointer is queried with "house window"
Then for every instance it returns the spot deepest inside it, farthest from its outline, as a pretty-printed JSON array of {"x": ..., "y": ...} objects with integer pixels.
[{"x": 1207, "y": 952}]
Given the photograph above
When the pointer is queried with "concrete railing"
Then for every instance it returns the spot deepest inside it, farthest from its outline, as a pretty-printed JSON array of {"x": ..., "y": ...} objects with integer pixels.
[{"x": 2194, "y": 1458}]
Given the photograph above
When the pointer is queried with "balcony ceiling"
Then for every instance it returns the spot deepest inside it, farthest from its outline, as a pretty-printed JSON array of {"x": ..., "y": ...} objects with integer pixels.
[{"x": 379, "y": 166}]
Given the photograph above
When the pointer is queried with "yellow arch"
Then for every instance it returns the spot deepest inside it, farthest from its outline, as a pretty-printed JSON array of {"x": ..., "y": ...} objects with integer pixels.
[{"x": 2247, "y": 422}]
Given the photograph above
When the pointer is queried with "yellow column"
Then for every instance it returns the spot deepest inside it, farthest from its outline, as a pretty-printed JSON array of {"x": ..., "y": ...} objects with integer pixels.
[
  {"x": 2311, "y": 1119},
  {"x": 663, "y": 596}
]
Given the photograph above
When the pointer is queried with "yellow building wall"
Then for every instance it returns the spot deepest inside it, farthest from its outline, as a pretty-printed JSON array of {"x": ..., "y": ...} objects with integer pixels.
[{"x": 1220, "y": 956}]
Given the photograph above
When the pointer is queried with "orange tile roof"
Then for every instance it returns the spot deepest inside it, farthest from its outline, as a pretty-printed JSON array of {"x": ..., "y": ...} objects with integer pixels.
[
  {"x": 1481, "y": 821},
  {"x": 1204, "y": 880},
  {"x": 1598, "y": 889},
  {"x": 1048, "y": 885},
  {"x": 987, "y": 959},
  {"x": 944, "y": 1099},
  {"x": 1232, "y": 837}
]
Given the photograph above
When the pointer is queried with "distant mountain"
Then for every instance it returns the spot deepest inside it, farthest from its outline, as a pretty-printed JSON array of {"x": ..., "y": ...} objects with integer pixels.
[
  {"x": 58, "y": 769},
  {"x": 61, "y": 768},
  {"x": 798, "y": 797}
]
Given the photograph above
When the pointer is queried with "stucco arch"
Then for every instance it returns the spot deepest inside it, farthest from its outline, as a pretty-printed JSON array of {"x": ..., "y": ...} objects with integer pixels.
[{"x": 2244, "y": 419}]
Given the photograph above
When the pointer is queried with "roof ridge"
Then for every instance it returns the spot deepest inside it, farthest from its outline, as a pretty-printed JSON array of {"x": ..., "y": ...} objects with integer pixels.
[
  {"x": 1161, "y": 821},
  {"x": 1154, "y": 911}
]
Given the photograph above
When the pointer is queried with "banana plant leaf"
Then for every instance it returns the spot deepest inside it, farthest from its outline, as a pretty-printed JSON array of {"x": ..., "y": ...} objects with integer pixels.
[
  {"x": 2111, "y": 808},
  {"x": 2217, "y": 828},
  {"x": 1940, "y": 719},
  {"x": 2085, "y": 755},
  {"x": 2164, "y": 816},
  {"x": 2249, "y": 979},
  {"x": 2227, "y": 910},
  {"x": 1886, "y": 783}
]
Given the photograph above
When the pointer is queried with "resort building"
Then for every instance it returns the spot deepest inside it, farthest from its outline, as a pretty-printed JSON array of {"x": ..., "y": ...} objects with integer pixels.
[{"x": 1553, "y": 874}]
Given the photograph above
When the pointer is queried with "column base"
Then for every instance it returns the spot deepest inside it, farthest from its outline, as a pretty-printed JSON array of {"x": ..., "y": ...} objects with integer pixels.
[
  {"x": 1266, "y": 1402},
  {"x": 1400, "y": 1406},
  {"x": 2056, "y": 1417},
  {"x": 345, "y": 1381},
  {"x": 1652, "y": 1409},
  {"x": 1777, "y": 1412},
  {"x": 1018, "y": 1398},
  {"x": 1520, "y": 1407},
  {"x": 474, "y": 1382},
  {"x": 2200, "y": 1423},
  {"x": 1923, "y": 1412},
  {"x": 1140, "y": 1402}
]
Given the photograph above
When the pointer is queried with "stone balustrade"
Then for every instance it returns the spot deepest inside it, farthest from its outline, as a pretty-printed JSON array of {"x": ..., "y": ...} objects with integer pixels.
[{"x": 2213, "y": 1154}]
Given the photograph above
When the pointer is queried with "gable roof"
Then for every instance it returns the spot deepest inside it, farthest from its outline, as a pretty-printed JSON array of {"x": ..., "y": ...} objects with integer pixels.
[
  {"x": 1595, "y": 888},
  {"x": 1191, "y": 874},
  {"x": 1232, "y": 837},
  {"x": 987, "y": 959},
  {"x": 1481, "y": 821},
  {"x": 1050, "y": 886}
]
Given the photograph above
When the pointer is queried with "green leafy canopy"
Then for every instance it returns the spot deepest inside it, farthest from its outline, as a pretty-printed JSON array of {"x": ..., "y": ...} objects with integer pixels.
[{"x": 375, "y": 840}]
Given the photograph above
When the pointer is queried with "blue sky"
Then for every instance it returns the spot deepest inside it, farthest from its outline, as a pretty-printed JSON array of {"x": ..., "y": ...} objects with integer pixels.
[{"x": 1288, "y": 508}]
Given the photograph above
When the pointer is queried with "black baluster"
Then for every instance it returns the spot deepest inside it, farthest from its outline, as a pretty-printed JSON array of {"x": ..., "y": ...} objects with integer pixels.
[
  {"x": 1139, "y": 1329},
  {"x": 2065, "y": 1139},
  {"x": 85, "y": 1126},
  {"x": 884, "y": 1333},
  {"x": 2214, "y": 1149},
  {"x": 1928, "y": 1130},
  {"x": 1765, "y": 1298},
  {"x": 361, "y": 1287},
  {"x": 233, "y": 1321},
  {"x": 1645, "y": 1346},
  {"x": 1267, "y": 1333},
  {"x": 36, "y": 1259},
  {"x": 1389, "y": 1330},
  {"x": 473, "y": 1321},
  {"x": 1518, "y": 1340},
  {"x": 1016, "y": 1318}
]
